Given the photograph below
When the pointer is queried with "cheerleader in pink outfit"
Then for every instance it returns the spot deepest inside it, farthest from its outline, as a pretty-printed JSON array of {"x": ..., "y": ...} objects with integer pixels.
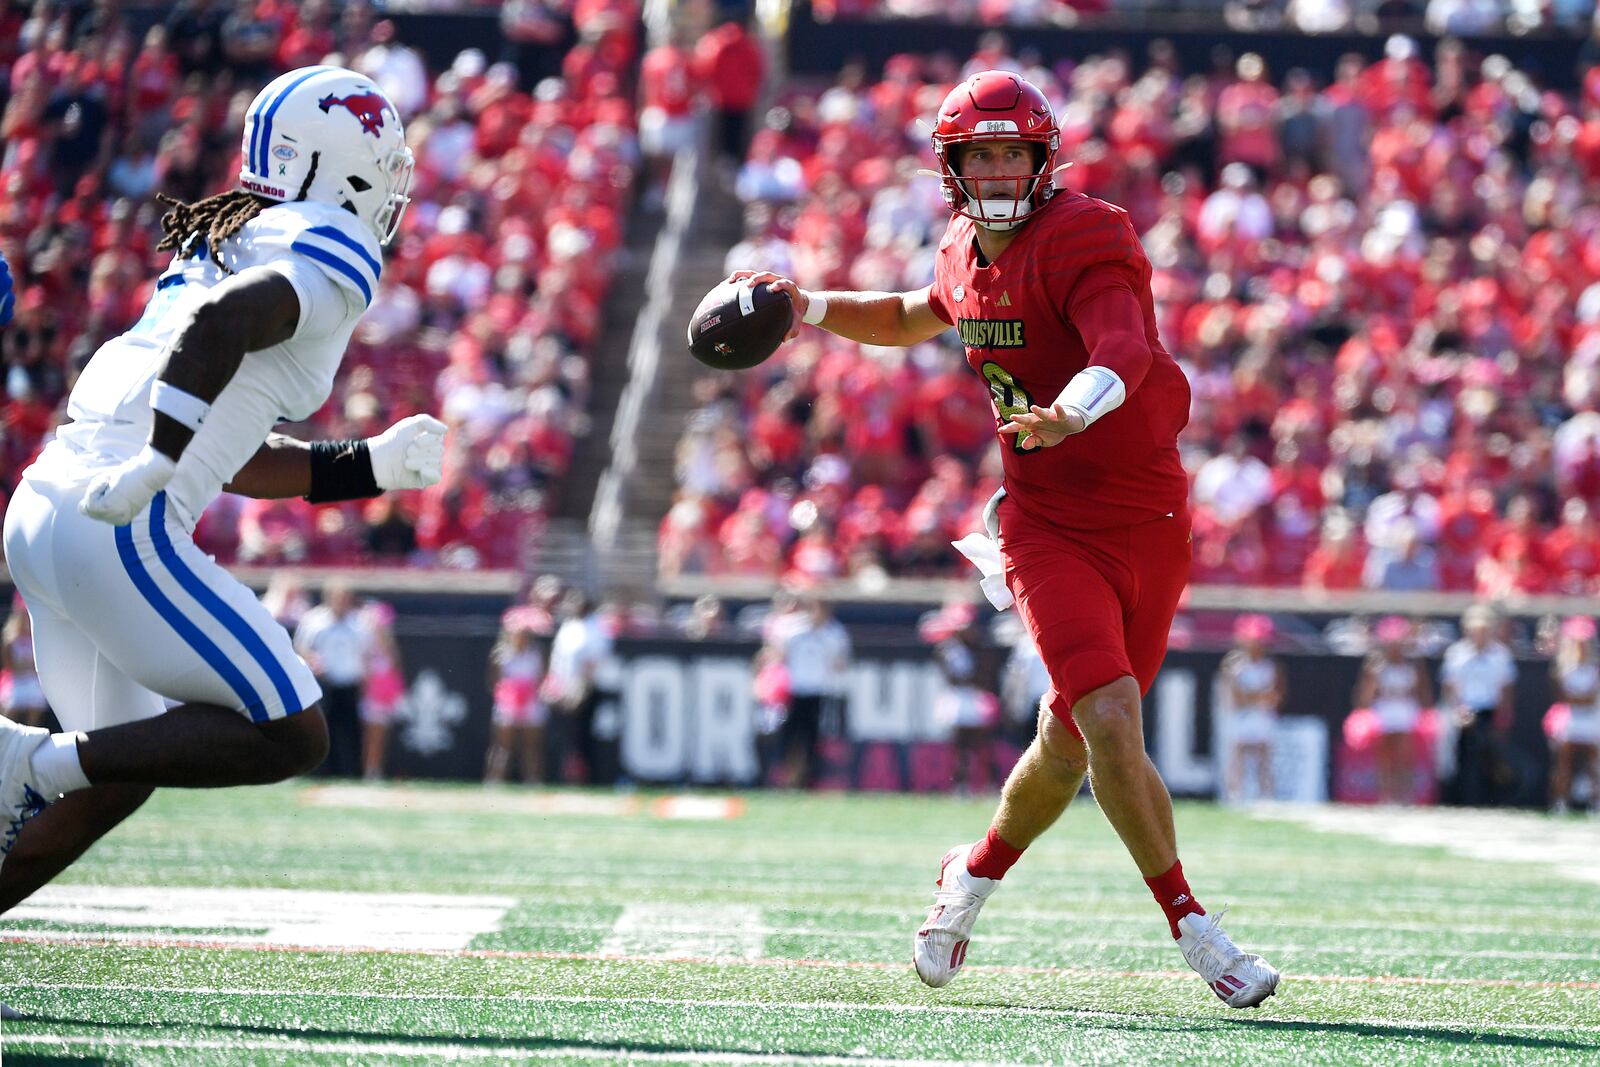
[
  {"x": 20, "y": 691},
  {"x": 517, "y": 669},
  {"x": 383, "y": 691}
]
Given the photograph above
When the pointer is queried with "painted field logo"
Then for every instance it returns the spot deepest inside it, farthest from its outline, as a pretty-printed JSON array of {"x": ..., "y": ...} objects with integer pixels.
[{"x": 991, "y": 333}]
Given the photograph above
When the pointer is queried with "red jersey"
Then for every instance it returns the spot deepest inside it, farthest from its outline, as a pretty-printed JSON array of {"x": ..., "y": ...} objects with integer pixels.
[{"x": 1066, "y": 286}]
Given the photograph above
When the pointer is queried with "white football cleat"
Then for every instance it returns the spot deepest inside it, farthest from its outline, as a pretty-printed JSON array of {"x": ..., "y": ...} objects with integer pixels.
[
  {"x": 1242, "y": 981},
  {"x": 940, "y": 947},
  {"x": 19, "y": 800}
]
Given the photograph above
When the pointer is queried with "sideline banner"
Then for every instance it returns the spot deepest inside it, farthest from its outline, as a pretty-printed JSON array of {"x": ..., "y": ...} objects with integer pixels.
[{"x": 684, "y": 713}]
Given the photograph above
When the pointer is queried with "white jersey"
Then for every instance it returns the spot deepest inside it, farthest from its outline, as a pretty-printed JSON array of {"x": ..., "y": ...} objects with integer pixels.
[{"x": 333, "y": 262}]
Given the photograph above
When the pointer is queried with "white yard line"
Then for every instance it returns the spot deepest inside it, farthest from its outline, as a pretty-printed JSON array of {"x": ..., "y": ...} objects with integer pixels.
[
  {"x": 1567, "y": 848},
  {"x": 518, "y": 802},
  {"x": 670, "y": 931},
  {"x": 293, "y": 918}
]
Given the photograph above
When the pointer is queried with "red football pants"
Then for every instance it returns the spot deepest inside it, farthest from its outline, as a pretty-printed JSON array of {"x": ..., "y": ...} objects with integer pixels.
[{"x": 1098, "y": 603}]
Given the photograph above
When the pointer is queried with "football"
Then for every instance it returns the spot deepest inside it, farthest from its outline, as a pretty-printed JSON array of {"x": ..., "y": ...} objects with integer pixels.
[{"x": 738, "y": 326}]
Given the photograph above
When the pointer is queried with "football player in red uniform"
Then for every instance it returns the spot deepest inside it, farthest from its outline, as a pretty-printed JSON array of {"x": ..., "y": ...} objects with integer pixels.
[{"x": 1050, "y": 292}]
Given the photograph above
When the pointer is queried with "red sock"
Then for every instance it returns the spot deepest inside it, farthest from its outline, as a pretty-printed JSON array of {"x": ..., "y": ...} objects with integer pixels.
[
  {"x": 992, "y": 857},
  {"x": 1172, "y": 893}
]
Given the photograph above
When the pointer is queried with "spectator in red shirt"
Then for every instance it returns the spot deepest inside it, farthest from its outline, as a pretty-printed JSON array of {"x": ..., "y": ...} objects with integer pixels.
[
  {"x": 1246, "y": 114},
  {"x": 1465, "y": 517},
  {"x": 1337, "y": 562},
  {"x": 668, "y": 90},
  {"x": 274, "y": 531},
  {"x": 952, "y": 416},
  {"x": 1573, "y": 550},
  {"x": 730, "y": 63},
  {"x": 310, "y": 38}
]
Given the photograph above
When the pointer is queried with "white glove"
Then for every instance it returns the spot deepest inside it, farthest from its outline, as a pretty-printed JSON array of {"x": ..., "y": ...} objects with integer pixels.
[
  {"x": 409, "y": 454},
  {"x": 127, "y": 489}
]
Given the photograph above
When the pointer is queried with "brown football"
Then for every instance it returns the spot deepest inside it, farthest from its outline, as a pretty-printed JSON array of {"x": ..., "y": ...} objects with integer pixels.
[{"x": 737, "y": 326}]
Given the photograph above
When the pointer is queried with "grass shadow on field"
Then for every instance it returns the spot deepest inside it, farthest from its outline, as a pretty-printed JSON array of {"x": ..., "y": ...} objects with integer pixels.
[
  {"x": 1448, "y": 1035},
  {"x": 1136, "y": 1022},
  {"x": 303, "y": 1033}
]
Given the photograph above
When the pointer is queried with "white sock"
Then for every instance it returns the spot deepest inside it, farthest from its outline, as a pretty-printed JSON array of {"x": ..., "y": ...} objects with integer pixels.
[{"x": 55, "y": 765}]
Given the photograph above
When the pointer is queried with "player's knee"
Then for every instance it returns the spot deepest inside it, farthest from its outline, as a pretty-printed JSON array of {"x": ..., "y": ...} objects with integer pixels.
[
  {"x": 300, "y": 742},
  {"x": 1110, "y": 716},
  {"x": 1063, "y": 748}
]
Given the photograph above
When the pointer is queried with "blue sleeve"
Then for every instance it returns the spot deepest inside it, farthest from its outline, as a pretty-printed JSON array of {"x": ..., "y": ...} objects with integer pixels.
[{"x": 8, "y": 298}]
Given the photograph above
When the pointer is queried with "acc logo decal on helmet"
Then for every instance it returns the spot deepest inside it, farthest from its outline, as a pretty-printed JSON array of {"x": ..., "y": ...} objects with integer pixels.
[
  {"x": 284, "y": 152},
  {"x": 368, "y": 107}
]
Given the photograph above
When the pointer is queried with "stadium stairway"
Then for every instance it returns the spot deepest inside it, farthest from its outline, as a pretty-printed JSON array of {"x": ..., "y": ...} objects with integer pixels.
[
  {"x": 609, "y": 374},
  {"x": 716, "y": 226},
  {"x": 643, "y": 391},
  {"x": 562, "y": 544}
]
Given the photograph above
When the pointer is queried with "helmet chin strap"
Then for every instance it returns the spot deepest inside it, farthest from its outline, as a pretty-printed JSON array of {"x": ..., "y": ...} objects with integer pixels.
[
  {"x": 1006, "y": 214},
  {"x": 1000, "y": 213}
]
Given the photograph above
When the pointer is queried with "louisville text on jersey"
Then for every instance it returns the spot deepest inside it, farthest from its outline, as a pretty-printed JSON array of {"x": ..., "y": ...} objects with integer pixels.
[{"x": 991, "y": 333}]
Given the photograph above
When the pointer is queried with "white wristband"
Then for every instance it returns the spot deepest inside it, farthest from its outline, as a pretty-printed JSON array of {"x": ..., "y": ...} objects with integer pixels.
[
  {"x": 1093, "y": 392},
  {"x": 173, "y": 402},
  {"x": 815, "y": 310}
]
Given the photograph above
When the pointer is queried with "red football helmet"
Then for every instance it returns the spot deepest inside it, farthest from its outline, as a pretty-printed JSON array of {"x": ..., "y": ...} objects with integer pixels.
[{"x": 996, "y": 105}]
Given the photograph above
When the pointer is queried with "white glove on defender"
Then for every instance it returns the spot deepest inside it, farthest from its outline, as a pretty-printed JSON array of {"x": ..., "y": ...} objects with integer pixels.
[
  {"x": 409, "y": 454},
  {"x": 120, "y": 493}
]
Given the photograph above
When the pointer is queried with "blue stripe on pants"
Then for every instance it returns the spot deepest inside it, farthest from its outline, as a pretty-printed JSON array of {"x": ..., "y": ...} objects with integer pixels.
[
  {"x": 208, "y": 598},
  {"x": 185, "y": 628}
]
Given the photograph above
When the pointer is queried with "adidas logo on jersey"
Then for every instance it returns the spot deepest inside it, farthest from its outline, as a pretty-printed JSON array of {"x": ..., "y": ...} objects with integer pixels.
[{"x": 1005, "y": 299}]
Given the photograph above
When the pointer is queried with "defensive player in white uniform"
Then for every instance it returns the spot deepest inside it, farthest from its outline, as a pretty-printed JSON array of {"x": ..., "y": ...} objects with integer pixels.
[{"x": 246, "y": 328}]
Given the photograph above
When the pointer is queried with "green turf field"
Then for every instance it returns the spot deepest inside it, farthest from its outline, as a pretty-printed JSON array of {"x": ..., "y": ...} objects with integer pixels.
[{"x": 356, "y": 925}]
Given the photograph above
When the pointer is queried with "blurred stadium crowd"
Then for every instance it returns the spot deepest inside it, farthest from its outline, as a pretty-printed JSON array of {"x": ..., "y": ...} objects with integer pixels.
[
  {"x": 490, "y": 303},
  {"x": 1383, "y": 291},
  {"x": 1306, "y": 16}
]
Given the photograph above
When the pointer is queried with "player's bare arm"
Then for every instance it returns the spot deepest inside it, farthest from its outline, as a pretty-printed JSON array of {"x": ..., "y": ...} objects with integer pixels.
[
  {"x": 408, "y": 455},
  {"x": 281, "y": 468},
  {"x": 252, "y": 310},
  {"x": 255, "y": 309},
  {"x": 894, "y": 320}
]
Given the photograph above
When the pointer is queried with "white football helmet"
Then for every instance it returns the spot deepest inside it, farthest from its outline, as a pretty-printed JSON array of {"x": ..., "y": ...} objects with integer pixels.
[{"x": 331, "y": 135}]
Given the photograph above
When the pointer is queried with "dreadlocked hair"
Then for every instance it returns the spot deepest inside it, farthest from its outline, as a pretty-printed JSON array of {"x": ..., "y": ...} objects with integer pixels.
[{"x": 216, "y": 218}]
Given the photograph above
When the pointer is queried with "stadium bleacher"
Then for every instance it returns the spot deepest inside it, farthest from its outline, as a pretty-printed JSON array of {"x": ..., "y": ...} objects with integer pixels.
[
  {"x": 489, "y": 306},
  {"x": 1383, "y": 290}
]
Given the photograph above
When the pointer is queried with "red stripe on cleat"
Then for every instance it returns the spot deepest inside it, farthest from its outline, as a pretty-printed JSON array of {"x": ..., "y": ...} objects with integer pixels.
[{"x": 958, "y": 955}]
